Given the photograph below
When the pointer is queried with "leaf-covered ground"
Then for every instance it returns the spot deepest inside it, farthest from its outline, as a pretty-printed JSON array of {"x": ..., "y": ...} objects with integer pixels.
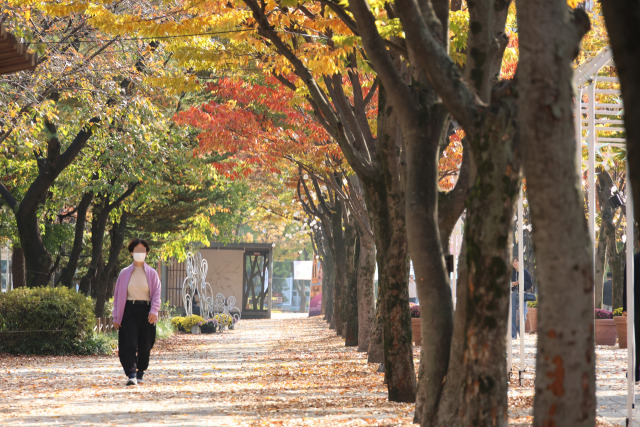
[{"x": 291, "y": 371}]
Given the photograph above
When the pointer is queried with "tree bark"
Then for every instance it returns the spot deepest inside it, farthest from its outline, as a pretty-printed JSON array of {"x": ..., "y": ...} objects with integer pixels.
[
  {"x": 69, "y": 271},
  {"x": 104, "y": 280},
  {"x": 18, "y": 272},
  {"x": 366, "y": 301},
  {"x": 434, "y": 292},
  {"x": 99, "y": 219},
  {"x": 565, "y": 365},
  {"x": 376, "y": 347},
  {"x": 622, "y": 18},
  {"x": 339, "y": 255},
  {"x": 350, "y": 305},
  {"x": 476, "y": 383},
  {"x": 385, "y": 200}
]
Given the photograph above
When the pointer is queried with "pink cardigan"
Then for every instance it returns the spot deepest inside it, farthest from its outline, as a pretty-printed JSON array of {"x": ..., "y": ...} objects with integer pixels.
[{"x": 120, "y": 292}]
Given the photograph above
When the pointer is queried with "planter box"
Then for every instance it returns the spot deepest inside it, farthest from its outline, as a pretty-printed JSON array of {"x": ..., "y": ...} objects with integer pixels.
[
  {"x": 621, "y": 330},
  {"x": 605, "y": 332},
  {"x": 415, "y": 331},
  {"x": 532, "y": 319},
  {"x": 195, "y": 329}
]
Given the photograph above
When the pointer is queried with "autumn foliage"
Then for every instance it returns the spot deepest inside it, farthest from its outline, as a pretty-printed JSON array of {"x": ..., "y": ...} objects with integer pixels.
[{"x": 257, "y": 124}]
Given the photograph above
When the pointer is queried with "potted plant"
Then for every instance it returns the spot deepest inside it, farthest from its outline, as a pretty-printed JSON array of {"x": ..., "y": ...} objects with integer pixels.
[
  {"x": 209, "y": 326},
  {"x": 621, "y": 327},
  {"x": 605, "y": 330},
  {"x": 532, "y": 316},
  {"x": 415, "y": 323},
  {"x": 190, "y": 324}
]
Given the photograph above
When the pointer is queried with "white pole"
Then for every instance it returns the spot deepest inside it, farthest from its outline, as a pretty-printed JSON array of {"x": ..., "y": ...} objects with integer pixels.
[
  {"x": 578, "y": 125},
  {"x": 591, "y": 138},
  {"x": 631, "y": 342},
  {"x": 521, "y": 276}
]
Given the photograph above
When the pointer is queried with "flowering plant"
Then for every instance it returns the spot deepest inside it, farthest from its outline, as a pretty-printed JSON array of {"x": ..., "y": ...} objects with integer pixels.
[
  {"x": 603, "y": 314},
  {"x": 223, "y": 319},
  {"x": 415, "y": 310},
  {"x": 617, "y": 312},
  {"x": 208, "y": 326}
]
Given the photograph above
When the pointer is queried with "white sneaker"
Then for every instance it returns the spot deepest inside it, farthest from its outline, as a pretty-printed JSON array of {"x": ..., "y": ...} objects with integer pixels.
[{"x": 132, "y": 381}]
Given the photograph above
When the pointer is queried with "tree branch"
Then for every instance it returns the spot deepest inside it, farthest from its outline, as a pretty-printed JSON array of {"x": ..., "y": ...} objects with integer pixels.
[{"x": 433, "y": 58}]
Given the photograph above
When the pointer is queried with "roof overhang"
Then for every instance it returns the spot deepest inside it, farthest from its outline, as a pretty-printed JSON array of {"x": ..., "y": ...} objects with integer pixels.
[{"x": 14, "y": 56}]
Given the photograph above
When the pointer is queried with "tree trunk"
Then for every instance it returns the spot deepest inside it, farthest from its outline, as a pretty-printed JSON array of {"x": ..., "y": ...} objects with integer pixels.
[
  {"x": 565, "y": 365},
  {"x": 69, "y": 271},
  {"x": 301, "y": 290},
  {"x": 376, "y": 347},
  {"x": 98, "y": 228},
  {"x": 104, "y": 281},
  {"x": 434, "y": 292},
  {"x": 328, "y": 278},
  {"x": 366, "y": 301},
  {"x": 339, "y": 255},
  {"x": 386, "y": 204},
  {"x": 38, "y": 261},
  {"x": 476, "y": 382},
  {"x": 607, "y": 212},
  {"x": 350, "y": 306},
  {"x": 622, "y": 18},
  {"x": 18, "y": 272}
]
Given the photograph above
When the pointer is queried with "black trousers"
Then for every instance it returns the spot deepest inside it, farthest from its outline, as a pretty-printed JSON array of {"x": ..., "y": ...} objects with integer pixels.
[{"x": 135, "y": 338}]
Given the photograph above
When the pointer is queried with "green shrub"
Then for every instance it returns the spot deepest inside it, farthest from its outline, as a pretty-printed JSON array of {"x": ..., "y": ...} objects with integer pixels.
[
  {"x": 164, "y": 329},
  {"x": 94, "y": 343},
  {"x": 44, "y": 321}
]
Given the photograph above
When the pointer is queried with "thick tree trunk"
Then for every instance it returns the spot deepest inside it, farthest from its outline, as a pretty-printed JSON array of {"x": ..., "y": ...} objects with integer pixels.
[
  {"x": 339, "y": 257},
  {"x": 386, "y": 204},
  {"x": 434, "y": 292},
  {"x": 376, "y": 347},
  {"x": 366, "y": 301},
  {"x": 18, "y": 271},
  {"x": 476, "y": 383},
  {"x": 69, "y": 271},
  {"x": 328, "y": 278},
  {"x": 622, "y": 18},
  {"x": 350, "y": 305},
  {"x": 38, "y": 261},
  {"x": 565, "y": 366}
]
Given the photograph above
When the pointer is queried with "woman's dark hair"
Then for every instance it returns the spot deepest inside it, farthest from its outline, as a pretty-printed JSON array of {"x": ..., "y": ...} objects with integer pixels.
[{"x": 135, "y": 242}]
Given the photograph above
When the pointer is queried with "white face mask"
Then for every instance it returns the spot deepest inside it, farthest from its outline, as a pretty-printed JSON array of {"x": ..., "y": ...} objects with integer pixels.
[{"x": 139, "y": 256}]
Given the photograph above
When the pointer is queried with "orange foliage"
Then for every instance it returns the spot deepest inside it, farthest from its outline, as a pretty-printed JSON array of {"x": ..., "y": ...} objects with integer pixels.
[{"x": 258, "y": 125}]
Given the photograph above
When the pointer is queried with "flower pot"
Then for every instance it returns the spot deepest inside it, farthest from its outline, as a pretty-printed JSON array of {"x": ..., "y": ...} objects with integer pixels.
[
  {"x": 532, "y": 319},
  {"x": 605, "y": 332},
  {"x": 621, "y": 329},
  {"x": 195, "y": 329},
  {"x": 207, "y": 328},
  {"x": 415, "y": 331}
]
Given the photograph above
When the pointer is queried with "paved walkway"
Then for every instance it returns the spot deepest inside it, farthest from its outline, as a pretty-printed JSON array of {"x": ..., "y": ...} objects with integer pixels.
[
  {"x": 611, "y": 383},
  {"x": 277, "y": 372},
  {"x": 285, "y": 371}
]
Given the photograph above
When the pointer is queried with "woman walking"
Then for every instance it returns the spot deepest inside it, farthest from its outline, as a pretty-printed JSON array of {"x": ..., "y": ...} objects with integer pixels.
[{"x": 136, "y": 301}]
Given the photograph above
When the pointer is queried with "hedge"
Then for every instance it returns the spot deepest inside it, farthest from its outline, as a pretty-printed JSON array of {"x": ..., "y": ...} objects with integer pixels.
[{"x": 45, "y": 321}]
